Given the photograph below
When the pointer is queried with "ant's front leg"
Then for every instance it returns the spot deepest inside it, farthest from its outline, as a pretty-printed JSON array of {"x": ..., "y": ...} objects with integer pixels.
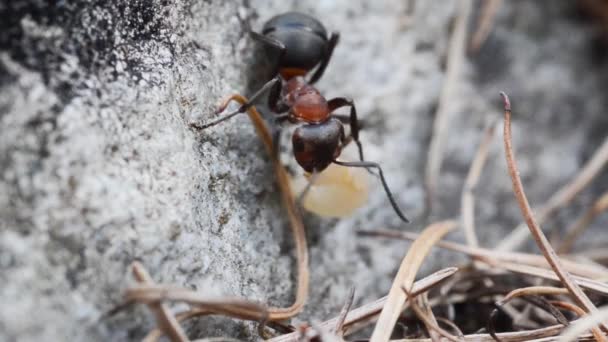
[
  {"x": 352, "y": 120},
  {"x": 272, "y": 84}
]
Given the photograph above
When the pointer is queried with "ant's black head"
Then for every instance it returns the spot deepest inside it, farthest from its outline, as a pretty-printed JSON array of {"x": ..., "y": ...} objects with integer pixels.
[{"x": 304, "y": 37}]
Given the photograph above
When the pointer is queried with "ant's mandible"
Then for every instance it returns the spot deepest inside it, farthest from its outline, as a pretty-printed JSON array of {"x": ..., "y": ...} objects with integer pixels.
[{"x": 303, "y": 44}]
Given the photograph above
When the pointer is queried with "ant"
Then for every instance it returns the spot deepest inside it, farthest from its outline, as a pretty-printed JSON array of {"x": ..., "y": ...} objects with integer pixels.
[{"x": 303, "y": 44}]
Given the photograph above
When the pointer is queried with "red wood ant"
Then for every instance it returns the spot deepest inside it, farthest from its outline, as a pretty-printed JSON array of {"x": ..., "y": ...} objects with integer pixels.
[{"x": 303, "y": 44}]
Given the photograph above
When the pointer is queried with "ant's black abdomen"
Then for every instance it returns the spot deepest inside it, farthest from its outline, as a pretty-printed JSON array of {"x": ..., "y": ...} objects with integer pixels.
[{"x": 304, "y": 37}]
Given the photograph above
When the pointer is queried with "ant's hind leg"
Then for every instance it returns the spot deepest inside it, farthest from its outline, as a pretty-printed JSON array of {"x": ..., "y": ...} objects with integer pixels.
[
  {"x": 331, "y": 44},
  {"x": 384, "y": 184},
  {"x": 242, "y": 109}
]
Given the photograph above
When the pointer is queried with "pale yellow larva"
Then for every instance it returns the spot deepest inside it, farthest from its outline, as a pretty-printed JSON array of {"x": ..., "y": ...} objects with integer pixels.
[{"x": 337, "y": 191}]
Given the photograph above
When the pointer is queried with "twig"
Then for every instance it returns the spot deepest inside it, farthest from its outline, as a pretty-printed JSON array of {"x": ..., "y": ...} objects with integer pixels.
[
  {"x": 442, "y": 116},
  {"x": 232, "y": 307},
  {"x": 369, "y": 311},
  {"x": 451, "y": 325},
  {"x": 164, "y": 318},
  {"x": 533, "y": 294},
  {"x": 597, "y": 333},
  {"x": 405, "y": 277},
  {"x": 518, "y": 336},
  {"x": 345, "y": 309},
  {"x": 600, "y": 206},
  {"x": 585, "y": 324},
  {"x": 588, "y": 284},
  {"x": 562, "y": 197},
  {"x": 429, "y": 321},
  {"x": 485, "y": 24},
  {"x": 467, "y": 199},
  {"x": 540, "y": 238},
  {"x": 297, "y": 227},
  {"x": 493, "y": 257}
]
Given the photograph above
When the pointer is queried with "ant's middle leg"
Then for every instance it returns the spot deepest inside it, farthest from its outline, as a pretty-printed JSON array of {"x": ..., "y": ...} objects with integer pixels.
[
  {"x": 272, "y": 84},
  {"x": 351, "y": 120}
]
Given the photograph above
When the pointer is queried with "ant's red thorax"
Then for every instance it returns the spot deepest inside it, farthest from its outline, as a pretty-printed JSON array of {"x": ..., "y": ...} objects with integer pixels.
[{"x": 305, "y": 101}]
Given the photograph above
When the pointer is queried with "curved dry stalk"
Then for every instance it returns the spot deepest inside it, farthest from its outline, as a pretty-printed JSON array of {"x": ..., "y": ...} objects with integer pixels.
[
  {"x": 344, "y": 312},
  {"x": 597, "y": 333},
  {"x": 586, "y": 323},
  {"x": 156, "y": 333},
  {"x": 366, "y": 313},
  {"x": 295, "y": 220},
  {"x": 165, "y": 320},
  {"x": 533, "y": 295},
  {"x": 467, "y": 199},
  {"x": 539, "y": 302},
  {"x": 540, "y": 238},
  {"x": 442, "y": 116},
  {"x": 232, "y": 307},
  {"x": 533, "y": 291},
  {"x": 562, "y": 197},
  {"x": 405, "y": 278},
  {"x": 572, "y": 234},
  {"x": 428, "y": 318}
]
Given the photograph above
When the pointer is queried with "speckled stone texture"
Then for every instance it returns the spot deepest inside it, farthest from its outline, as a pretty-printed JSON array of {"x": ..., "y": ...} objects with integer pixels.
[{"x": 99, "y": 168}]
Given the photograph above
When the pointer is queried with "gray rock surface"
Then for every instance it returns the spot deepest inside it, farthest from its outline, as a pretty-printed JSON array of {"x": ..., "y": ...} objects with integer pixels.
[{"x": 98, "y": 167}]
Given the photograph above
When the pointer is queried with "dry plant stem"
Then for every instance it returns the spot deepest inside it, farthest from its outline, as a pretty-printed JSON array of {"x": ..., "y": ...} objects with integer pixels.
[
  {"x": 572, "y": 234},
  {"x": 297, "y": 227},
  {"x": 164, "y": 318},
  {"x": 421, "y": 304},
  {"x": 533, "y": 291},
  {"x": 369, "y": 311},
  {"x": 467, "y": 210},
  {"x": 344, "y": 312},
  {"x": 592, "y": 285},
  {"x": 442, "y": 116},
  {"x": 495, "y": 258},
  {"x": 405, "y": 278},
  {"x": 486, "y": 22},
  {"x": 428, "y": 318},
  {"x": 584, "y": 324},
  {"x": 547, "y": 334},
  {"x": 597, "y": 333},
  {"x": 562, "y": 197},
  {"x": 540, "y": 238},
  {"x": 451, "y": 325},
  {"x": 155, "y": 334},
  {"x": 232, "y": 307}
]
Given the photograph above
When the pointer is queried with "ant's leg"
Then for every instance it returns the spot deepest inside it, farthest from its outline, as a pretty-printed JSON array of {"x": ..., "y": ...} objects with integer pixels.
[
  {"x": 352, "y": 119},
  {"x": 386, "y": 189},
  {"x": 273, "y": 43},
  {"x": 331, "y": 44},
  {"x": 311, "y": 181},
  {"x": 242, "y": 109}
]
